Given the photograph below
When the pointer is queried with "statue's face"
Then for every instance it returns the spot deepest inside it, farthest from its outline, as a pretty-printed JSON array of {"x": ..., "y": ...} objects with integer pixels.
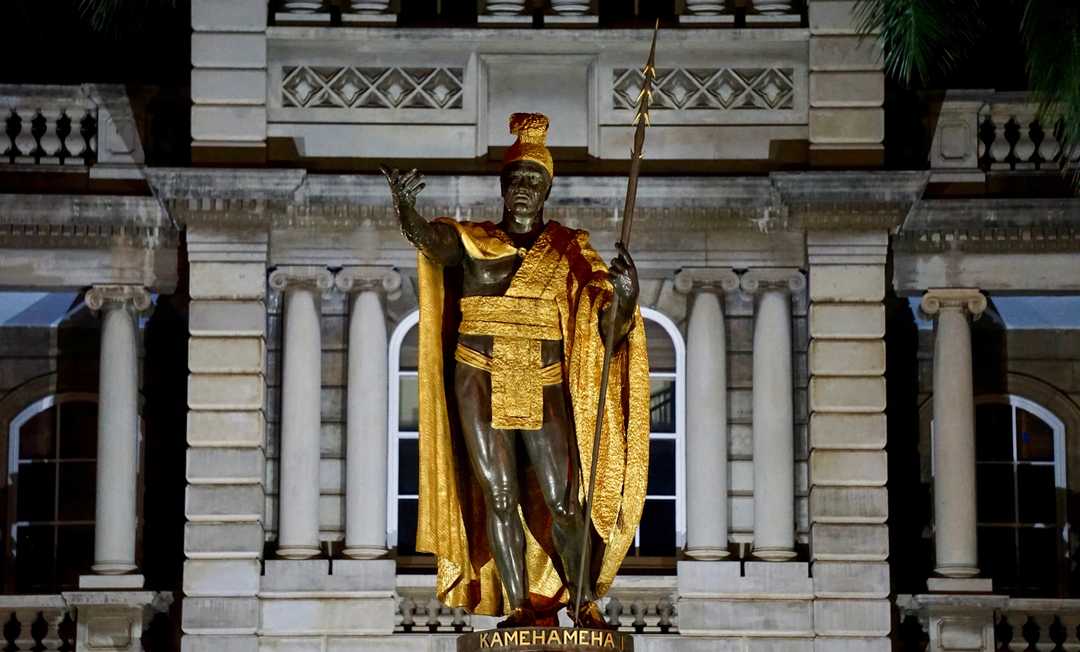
[{"x": 525, "y": 186}]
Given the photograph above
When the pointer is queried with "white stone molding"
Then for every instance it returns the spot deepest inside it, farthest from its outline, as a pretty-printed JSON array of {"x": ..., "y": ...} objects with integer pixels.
[
  {"x": 366, "y": 418},
  {"x": 112, "y": 621},
  {"x": 773, "y": 411},
  {"x": 706, "y": 411},
  {"x": 954, "y": 430},
  {"x": 118, "y": 427},
  {"x": 301, "y": 388}
]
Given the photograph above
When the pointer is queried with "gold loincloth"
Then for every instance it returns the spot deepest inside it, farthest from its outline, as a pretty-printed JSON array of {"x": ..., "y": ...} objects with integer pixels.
[{"x": 517, "y": 326}]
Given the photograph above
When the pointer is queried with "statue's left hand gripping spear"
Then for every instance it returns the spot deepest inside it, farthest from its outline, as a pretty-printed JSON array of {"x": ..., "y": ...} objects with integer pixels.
[{"x": 641, "y": 120}]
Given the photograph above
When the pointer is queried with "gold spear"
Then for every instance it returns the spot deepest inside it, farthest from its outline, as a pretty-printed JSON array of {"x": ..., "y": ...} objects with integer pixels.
[{"x": 641, "y": 119}]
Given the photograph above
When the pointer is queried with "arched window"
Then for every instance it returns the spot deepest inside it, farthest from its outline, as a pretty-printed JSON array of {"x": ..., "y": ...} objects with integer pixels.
[
  {"x": 1020, "y": 461},
  {"x": 52, "y": 463},
  {"x": 663, "y": 523}
]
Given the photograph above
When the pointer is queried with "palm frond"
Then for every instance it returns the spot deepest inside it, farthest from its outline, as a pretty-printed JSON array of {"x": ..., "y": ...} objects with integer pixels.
[
  {"x": 920, "y": 38},
  {"x": 1051, "y": 31},
  {"x": 111, "y": 15}
]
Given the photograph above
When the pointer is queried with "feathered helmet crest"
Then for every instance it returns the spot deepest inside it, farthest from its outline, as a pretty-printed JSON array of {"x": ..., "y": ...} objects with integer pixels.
[{"x": 531, "y": 131}]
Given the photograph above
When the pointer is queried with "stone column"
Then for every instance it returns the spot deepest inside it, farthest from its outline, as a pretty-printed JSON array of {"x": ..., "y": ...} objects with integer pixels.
[
  {"x": 954, "y": 430},
  {"x": 118, "y": 426},
  {"x": 773, "y": 405},
  {"x": 366, "y": 411},
  {"x": 706, "y": 412},
  {"x": 301, "y": 420}
]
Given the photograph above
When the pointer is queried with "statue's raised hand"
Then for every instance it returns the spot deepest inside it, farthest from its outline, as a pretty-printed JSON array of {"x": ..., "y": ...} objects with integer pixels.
[{"x": 403, "y": 187}]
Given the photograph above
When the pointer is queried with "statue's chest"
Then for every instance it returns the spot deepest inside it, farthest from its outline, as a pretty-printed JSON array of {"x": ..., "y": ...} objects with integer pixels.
[{"x": 489, "y": 277}]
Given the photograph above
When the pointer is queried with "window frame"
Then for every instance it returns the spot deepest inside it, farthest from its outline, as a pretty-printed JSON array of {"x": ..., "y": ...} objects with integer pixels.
[
  {"x": 394, "y": 433},
  {"x": 20, "y": 419}
]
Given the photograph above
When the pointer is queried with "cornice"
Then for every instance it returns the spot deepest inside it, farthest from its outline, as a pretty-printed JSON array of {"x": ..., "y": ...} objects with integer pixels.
[
  {"x": 991, "y": 226},
  {"x": 84, "y": 222}
]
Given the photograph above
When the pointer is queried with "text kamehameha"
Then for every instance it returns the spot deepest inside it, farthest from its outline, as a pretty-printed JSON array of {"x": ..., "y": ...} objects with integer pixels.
[{"x": 586, "y": 637}]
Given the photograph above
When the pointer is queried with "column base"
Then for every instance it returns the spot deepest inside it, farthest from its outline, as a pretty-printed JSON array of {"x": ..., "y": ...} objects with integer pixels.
[
  {"x": 111, "y": 582},
  {"x": 364, "y": 552},
  {"x": 960, "y": 585},
  {"x": 298, "y": 552},
  {"x": 708, "y": 554},
  {"x": 113, "y": 568},
  {"x": 958, "y": 571},
  {"x": 774, "y": 554}
]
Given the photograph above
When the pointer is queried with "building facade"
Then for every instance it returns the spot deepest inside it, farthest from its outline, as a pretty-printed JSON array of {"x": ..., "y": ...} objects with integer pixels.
[{"x": 844, "y": 455}]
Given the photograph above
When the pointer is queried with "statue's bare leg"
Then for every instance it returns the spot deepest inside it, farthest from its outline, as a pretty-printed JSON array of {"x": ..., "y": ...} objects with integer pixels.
[
  {"x": 493, "y": 458},
  {"x": 555, "y": 463}
]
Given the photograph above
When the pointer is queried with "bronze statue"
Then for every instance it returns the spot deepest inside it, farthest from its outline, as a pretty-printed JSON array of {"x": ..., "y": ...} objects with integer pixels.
[{"x": 512, "y": 316}]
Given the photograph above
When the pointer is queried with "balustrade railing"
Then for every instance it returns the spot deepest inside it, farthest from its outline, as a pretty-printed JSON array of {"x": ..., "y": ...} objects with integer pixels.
[
  {"x": 518, "y": 12},
  {"x": 642, "y": 605},
  {"x": 55, "y": 125},
  {"x": 983, "y": 131},
  {"x": 1019, "y": 624},
  {"x": 37, "y": 622},
  {"x": 1038, "y": 624}
]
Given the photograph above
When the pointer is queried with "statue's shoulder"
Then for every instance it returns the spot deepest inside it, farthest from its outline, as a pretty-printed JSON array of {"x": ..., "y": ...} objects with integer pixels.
[{"x": 482, "y": 240}]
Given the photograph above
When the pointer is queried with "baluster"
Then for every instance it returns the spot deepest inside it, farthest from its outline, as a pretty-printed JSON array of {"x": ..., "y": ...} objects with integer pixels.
[
  {"x": 1057, "y": 634},
  {"x": 1031, "y": 631},
  {"x": 665, "y": 608},
  {"x": 88, "y": 131},
  {"x": 638, "y": 608},
  {"x": 302, "y": 6},
  {"x": 613, "y": 612},
  {"x": 25, "y": 142},
  {"x": 773, "y": 7},
  {"x": 1003, "y": 634},
  {"x": 65, "y": 631},
  {"x": 50, "y": 146},
  {"x": 433, "y": 608},
  {"x": 63, "y": 132},
  {"x": 12, "y": 125},
  {"x": 457, "y": 620},
  {"x": 986, "y": 137},
  {"x": 1001, "y": 148},
  {"x": 12, "y": 628},
  {"x": 407, "y": 606},
  {"x": 1025, "y": 146},
  {"x": 1049, "y": 148}
]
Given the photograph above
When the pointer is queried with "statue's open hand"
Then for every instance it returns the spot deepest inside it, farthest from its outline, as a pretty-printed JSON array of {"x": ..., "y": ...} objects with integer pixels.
[
  {"x": 624, "y": 278},
  {"x": 403, "y": 187}
]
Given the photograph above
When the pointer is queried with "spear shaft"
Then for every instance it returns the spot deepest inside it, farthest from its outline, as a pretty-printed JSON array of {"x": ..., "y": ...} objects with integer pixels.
[{"x": 641, "y": 119}]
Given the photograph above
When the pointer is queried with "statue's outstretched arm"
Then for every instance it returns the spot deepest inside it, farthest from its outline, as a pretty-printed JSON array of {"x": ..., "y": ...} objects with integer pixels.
[{"x": 439, "y": 242}]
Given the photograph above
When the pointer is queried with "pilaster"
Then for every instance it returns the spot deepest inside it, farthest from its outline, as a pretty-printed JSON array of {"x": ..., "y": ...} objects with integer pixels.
[
  {"x": 228, "y": 80},
  {"x": 223, "y": 539},
  {"x": 847, "y": 89},
  {"x": 848, "y": 465}
]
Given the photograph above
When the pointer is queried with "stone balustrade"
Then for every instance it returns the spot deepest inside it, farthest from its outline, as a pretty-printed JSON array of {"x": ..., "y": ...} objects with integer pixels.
[
  {"x": 638, "y": 604},
  {"x": 70, "y": 126},
  {"x": 37, "y": 622},
  {"x": 987, "y": 622},
  {"x": 982, "y": 131}
]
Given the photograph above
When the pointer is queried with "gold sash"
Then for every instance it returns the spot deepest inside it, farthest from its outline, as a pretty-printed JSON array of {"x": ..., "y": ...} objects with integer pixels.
[{"x": 517, "y": 326}]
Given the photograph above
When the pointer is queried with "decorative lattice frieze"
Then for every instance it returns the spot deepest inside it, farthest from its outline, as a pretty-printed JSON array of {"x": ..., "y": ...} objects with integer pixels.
[
  {"x": 716, "y": 89},
  {"x": 349, "y": 87}
]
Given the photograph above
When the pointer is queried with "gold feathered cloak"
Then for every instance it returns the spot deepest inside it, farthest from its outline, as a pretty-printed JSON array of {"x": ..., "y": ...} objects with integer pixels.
[{"x": 451, "y": 506}]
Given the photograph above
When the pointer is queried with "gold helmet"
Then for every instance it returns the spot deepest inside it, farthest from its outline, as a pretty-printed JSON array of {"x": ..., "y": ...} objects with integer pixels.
[{"x": 531, "y": 131}]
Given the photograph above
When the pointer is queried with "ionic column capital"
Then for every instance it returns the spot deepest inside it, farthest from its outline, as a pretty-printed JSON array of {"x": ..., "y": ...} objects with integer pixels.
[
  {"x": 291, "y": 277},
  {"x": 706, "y": 279},
  {"x": 368, "y": 279},
  {"x": 135, "y": 297},
  {"x": 773, "y": 278},
  {"x": 970, "y": 300}
]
